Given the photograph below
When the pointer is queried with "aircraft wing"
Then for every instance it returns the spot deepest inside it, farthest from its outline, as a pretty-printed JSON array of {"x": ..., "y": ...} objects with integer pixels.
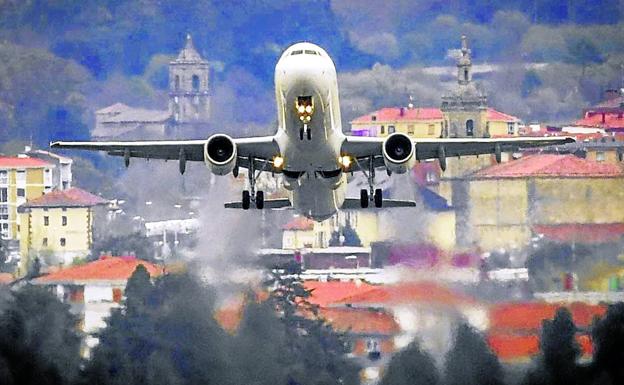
[
  {"x": 262, "y": 149},
  {"x": 429, "y": 148}
]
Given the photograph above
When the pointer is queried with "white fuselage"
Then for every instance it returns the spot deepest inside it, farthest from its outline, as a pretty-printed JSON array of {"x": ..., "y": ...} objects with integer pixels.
[{"x": 306, "y": 74}]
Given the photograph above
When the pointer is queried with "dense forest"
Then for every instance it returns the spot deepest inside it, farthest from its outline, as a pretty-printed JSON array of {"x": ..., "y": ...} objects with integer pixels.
[{"x": 61, "y": 60}]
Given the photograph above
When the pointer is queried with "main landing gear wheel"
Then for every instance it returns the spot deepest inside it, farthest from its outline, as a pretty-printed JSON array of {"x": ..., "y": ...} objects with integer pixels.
[
  {"x": 364, "y": 198},
  {"x": 246, "y": 200},
  {"x": 378, "y": 198},
  {"x": 260, "y": 200},
  {"x": 301, "y": 133},
  {"x": 309, "y": 132}
]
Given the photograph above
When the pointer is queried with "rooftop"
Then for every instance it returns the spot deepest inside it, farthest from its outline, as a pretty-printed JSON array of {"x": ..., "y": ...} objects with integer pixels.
[
  {"x": 104, "y": 270},
  {"x": 606, "y": 120},
  {"x": 73, "y": 197},
  {"x": 326, "y": 293},
  {"x": 550, "y": 165},
  {"x": 361, "y": 321},
  {"x": 587, "y": 233},
  {"x": 22, "y": 162},
  {"x": 299, "y": 223},
  {"x": 393, "y": 114},
  {"x": 189, "y": 53}
]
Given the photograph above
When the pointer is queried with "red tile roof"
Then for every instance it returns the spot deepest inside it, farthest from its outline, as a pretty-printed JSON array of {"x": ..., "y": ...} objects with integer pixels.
[
  {"x": 327, "y": 293},
  {"x": 299, "y": 223},
  {"x": 587, "y": 233},
  {"x": 105, "y": 269},
  {"x": 22, "y": 162},
  {"x": 528, "y": 316},
  {"x": 611, "y": 121},
  {"x": 393, "y": 114},
  {"x": 550, "y": 165},
  {"x": 6, "y": 278},
  {"x": 360, "y": 321},
  {"x": 408, "y": 293},
  {"x": 73, "y": 197}
]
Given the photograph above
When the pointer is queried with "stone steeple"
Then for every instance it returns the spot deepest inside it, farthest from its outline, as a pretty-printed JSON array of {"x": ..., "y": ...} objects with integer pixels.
[
  {"x": 464, "y": 108},
  {"x": 189, "y": 97}
]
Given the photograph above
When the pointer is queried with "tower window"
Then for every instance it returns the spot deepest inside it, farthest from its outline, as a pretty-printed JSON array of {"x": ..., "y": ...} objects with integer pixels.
[
  {"x": 466, "y": 75},
  {"x": 177, "y": 82},
  {"x": 469, "y": 127},
  {"x": 195, "y": 83}
]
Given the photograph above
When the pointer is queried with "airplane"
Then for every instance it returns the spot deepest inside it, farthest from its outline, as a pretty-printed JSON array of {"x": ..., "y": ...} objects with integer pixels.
[{"x": 309, "y": 148}]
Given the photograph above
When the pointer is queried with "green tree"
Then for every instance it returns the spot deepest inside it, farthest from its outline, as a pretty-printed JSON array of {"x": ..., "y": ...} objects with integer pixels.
[
  {"x": 39, "y": 343},
  {"x": 470, "y": 360},
  {"x": 608, "y": 339},
  {"x": 411, "y": 366}
]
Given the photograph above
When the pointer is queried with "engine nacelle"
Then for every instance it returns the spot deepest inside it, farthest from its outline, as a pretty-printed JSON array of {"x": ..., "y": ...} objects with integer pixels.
[
  {"x": 220, "y": 154},
  {"x": 398, "y": 152}
]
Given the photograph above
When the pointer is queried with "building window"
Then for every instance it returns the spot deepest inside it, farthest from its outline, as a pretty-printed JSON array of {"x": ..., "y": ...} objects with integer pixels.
[
  {"x": 63, "y": 242},
  {"x": 431, "y": 129},
  {"x": 410, "y": 129},
  {"x": 372, "y": 348},
  {"x": 21, "y": 192},
  {"x": 4, "y": 177},
  {"x": 374, "y": 118},
  {"x": 469, "y": 127},
  {"x": 391, "y": 129},
  {"x": 44, "y": 243},
  {"x": 4, "y": 212},
  {"x": 383, "y": 130},
  {"x": 195, "y": 83},
  {"x": 431, "y": 177},
  {"x": 600, "y": 156},
  {"x": 510, "y": 128},
  {"x": 64, "y": 220},
  {"x": 4, "y": 195},
  {"x": 46, "y": 220},
  {"x": 177, "y": 84},
  {"x": 20, "y": 177},
  {"x": 5, "y": 230}
]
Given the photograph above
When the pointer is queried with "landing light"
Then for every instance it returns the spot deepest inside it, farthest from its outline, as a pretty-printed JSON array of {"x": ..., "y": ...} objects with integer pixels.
[
  {"x": 345, "y": 161},
  {"x": 278, "y": 162}
]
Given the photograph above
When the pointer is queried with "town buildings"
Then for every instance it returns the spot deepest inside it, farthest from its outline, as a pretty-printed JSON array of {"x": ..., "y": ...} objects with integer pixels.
[
  {"x": 188, "y": 106},
  {"x": 58, "y": 227},
  {"x": 94, "y": 289}
]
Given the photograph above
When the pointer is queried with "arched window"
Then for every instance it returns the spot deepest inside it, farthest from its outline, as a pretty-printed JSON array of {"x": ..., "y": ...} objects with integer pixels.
[
  {"x": 177, "y": 83},
  {"x": 466, "y": 75},
  {"x": 469, "y": 127},
  {"x": 195, "y": 83}
]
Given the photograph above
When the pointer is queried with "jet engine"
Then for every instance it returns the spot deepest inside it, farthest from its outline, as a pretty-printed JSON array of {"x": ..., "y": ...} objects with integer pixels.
[
  {"x": 220, "y": 154},
  {"x": 398, "y": 152}
]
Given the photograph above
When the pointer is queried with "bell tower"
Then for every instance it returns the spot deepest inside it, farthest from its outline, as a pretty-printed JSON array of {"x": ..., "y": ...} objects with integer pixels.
[
  {"x": 189, "y": 98},
  {"x": 465, "y": 108}
]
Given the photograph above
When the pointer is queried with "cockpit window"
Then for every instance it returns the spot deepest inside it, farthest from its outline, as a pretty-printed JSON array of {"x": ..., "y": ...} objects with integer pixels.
[
  {"x": 310, "y": 52},
  {"x": 296, "y": 52}
]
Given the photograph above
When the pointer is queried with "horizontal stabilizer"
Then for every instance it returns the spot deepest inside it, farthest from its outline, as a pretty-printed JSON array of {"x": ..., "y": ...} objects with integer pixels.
[
  {"x": 354, "y": 203},
  {"x": 268, "y": 204}
]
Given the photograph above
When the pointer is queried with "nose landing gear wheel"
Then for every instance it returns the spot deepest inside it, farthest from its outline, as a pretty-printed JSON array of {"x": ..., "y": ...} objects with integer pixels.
[
  {"x": 260, "y": 200},
  {"x": 364, "y": 198},
  {"x": 301, "y": 133},
  {"x": 246, "y": 200},
  {"x": 309, "y": 132},
  {"x": 378, "y": 198}
]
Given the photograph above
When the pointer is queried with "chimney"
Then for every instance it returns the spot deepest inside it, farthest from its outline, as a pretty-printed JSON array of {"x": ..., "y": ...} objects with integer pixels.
[{"x": 402, "y": 111}]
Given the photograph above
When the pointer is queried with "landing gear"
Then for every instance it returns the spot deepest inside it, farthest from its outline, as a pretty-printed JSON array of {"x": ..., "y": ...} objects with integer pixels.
[
  {"x": 246, "y": 201},
  {"x": 260, "y": 200},
  {"x": 257, "y": 196},
  {"x": 309, "y": 132},
  {"x": 301, "y": 132},
  {"x": 364, "y": 198},
  {"x": 305, "y": 132},
  {"x": 378, "y": 198}
]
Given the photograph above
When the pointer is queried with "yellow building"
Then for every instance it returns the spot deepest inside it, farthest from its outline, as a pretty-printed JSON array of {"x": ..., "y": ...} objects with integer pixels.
[
  {"x": 58, "y": 226},
  {"x": 562, "y": 197},
  {"x": 21, "y": 178}
]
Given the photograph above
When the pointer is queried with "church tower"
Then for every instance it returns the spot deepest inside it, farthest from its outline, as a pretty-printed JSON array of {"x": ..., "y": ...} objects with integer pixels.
[
  {"x": 189, "y": 100},
  {"x": 465, "y": 108}
]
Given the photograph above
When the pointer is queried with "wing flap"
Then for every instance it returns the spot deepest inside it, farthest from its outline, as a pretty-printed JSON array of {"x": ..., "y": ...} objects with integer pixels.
[
  {"x": 354, "y": 204},
  {"x": 281, "y": 203}
]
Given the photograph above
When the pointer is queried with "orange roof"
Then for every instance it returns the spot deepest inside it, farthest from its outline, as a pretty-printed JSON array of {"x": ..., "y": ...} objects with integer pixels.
[
  {"x": 73, "y": 197},
  {"x": 360, "y": 321},
  {"x": 611, "y": 120},
  {"x": 104, "y": 269},
  {"x": 528, "y": 316},
  {"x": 6, "y": 278},
  {"x": 494, "y": 115},
  {"x": 19, "y": 161},
  {"x": 583, "y": 233},
  {"x": 326, "y": 293},
  {"x": 299, "y": 223},
  {"x": 408, "y": 293},
  {"x": 510, "y": 347},
  {"x": 550, "y": 165},
  {"x": 393, "y": 114},
  {"x": 229, "y": 318}
]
